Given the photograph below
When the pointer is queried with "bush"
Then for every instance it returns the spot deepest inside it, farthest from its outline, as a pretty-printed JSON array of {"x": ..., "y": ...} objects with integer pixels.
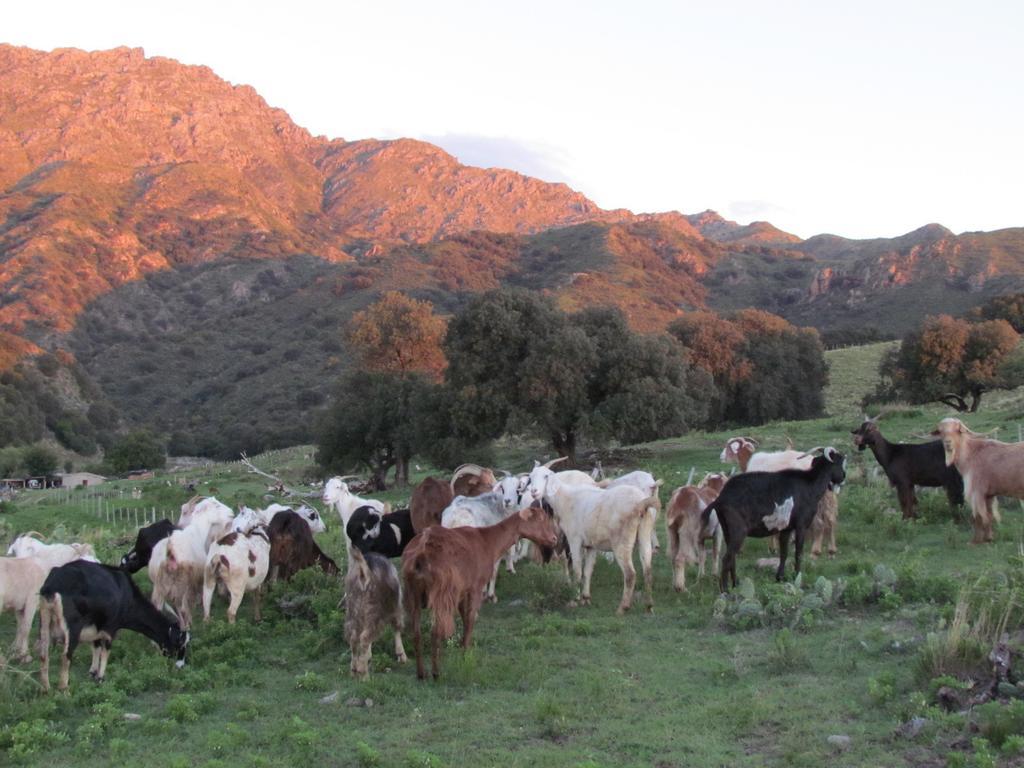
[{"x": 998, "y": 722}]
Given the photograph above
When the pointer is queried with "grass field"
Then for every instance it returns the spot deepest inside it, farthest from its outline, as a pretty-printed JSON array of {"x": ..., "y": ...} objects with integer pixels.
[{"x": 854, "y": 652}]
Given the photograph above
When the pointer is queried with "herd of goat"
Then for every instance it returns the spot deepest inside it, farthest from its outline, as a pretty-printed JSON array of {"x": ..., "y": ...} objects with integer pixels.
[{"x": 454, "y": 535}]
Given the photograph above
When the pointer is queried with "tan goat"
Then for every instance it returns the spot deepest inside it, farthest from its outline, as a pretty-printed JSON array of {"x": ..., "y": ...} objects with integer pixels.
[
  {"x": 990, "y": 468},
  {"x": 20, "y": 580},
  {"x": 686, "y": 534}
]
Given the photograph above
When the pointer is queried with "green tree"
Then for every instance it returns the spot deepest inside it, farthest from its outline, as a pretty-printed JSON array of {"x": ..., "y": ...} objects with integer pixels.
[
  {"x": 764, "y": 368},
  {"x": 10, "y": 461},
  {"x": 39, "y": 461},
  {"x": 518, "y": 363},
  {"x": 949, "y": 360},
  {"x": 137, "y": 450},
  {"x": 370, "y": 424}
]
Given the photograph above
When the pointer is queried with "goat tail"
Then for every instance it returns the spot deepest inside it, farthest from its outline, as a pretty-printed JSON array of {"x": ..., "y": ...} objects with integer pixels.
[
  {"x": 442, "y": 600},
  {"x": 705, "y": 516}
]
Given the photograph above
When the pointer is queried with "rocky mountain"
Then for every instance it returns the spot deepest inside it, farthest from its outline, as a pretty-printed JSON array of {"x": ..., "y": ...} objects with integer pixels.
[{"x": 187, "y": 244}]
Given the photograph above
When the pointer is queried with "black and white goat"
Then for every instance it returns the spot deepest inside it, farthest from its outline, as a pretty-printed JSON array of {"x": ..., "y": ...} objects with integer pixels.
[
  {"x": 92, "y": 602},
  {"x": 749, "y": 505},
  {"x": 369, "y": 530}
]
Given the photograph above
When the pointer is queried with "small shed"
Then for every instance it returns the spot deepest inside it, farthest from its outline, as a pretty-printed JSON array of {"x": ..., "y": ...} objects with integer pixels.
[{"x": 77, "y": 479}]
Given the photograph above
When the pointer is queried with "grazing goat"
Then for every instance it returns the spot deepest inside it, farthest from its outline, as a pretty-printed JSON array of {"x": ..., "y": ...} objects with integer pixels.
[
  {"x": 686, "y": 533},
  {"x": 49, "y": 555},
  {"x": 292, "y": 547},
  {"x": 20, "y": 580},
  {"x": 248, "y": 518},
  {"x": 747, "y": 499},
  {"x": 373, "y": 602},
  {"x": 428, "y": 501},
  {"x": 92, "y": 602},
  {"x": 139, "y": 556},
  {"x": 176, "y": 568},
  {"x": 370, "y": 531},
  {"x": 908, "y": 465},
  {"x": 472, "y": 480},
  {"x": 445, "y": 569},
  {"x": 238, "y": 563},
  {"x": 597, "y": 519},
  {"x": 990, "y": 468}
]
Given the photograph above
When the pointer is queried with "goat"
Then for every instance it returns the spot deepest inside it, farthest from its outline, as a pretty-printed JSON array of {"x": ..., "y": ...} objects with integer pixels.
[
  {"x": 139, "y": 555},
  {"x": 597, "y": 519},
  {"x": 428, "y": 501},
  {"x": 477, "y": 512},
  {"x": 248, "y": 518},
  {"x": 686, "y": 533},
  {"x": 337, "y": 495},
  {"x": 177, "y": 565},
  {"x": 49, "y": 555},
  {"x": 238, "y": 562},
  {"x": 909, "y": 464},
  {"x": 990, "y": 468},
  {"x": 92, "y": 602},
  {"x": 645, "y": 482},
  {"x": 748, "y": 498},
  {"x": 20, "y": 580},
  {"x": 373, "y": 602},
  {"x": 472, "y": 480},
  {"x": 370, "y": 531},
  {"x": 742, "y": 451},
  {"x": 292, "y": 547},
  {"x": 446, "y": 569}
]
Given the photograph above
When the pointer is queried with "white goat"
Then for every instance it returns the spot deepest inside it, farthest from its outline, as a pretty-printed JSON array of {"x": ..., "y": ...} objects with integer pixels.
[
  {"x": 50, "y": 555},
  {"x": 177, "y": 565},
  {"x": 597, "y": 519},
  {"x": 239, "y": 563},
  {"x": 20, "y": 581},
  {"x": 645, "y": 482}
]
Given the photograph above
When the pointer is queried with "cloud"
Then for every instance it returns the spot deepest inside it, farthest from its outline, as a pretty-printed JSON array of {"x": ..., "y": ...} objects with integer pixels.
[
  {"x": 755, "y": 210},
  {"x": 534, "y": 158}
]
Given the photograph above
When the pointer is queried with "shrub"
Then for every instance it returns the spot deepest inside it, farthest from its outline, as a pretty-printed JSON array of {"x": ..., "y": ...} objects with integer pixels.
[{"x": 997, "y": 722}]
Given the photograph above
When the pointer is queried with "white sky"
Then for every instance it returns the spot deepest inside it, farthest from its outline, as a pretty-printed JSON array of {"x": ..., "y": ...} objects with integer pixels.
[{"x": 865, "y": 119}]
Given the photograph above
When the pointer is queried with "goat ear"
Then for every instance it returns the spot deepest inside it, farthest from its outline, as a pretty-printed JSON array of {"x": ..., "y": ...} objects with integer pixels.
[{"x": 734, "y": 446}]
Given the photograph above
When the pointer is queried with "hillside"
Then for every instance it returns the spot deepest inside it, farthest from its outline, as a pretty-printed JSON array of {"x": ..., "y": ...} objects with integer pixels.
[{"x": 198, "y": 254}]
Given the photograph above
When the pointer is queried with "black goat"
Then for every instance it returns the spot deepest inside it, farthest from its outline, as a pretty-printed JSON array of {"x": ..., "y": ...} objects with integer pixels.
[
  {"x": 387, "y": 535},
  {"x": 747, "y": 499},
  {"x": 910, "y": 464},
  {"x": 148, "y": 537},
  {"x": 92, "y": 602}
]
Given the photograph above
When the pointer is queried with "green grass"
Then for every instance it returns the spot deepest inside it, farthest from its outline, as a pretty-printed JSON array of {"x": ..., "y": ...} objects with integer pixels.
[{"x": 548, "y": 685}]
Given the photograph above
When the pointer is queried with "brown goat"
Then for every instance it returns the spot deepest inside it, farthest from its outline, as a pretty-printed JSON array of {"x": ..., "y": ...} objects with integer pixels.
[
  {"x": 447, "y": 569},
  {"x": 686, "y": 534},
  {"x": 472, "y": 480},
  {"x": 292, "y": 547},
  {"x": 428, "y": 501},
  {"x": 990, "y": 468}
]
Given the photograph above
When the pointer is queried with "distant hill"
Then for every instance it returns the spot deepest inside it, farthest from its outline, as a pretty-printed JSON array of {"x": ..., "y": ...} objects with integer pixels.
[{"x": 198, "y": 253}]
